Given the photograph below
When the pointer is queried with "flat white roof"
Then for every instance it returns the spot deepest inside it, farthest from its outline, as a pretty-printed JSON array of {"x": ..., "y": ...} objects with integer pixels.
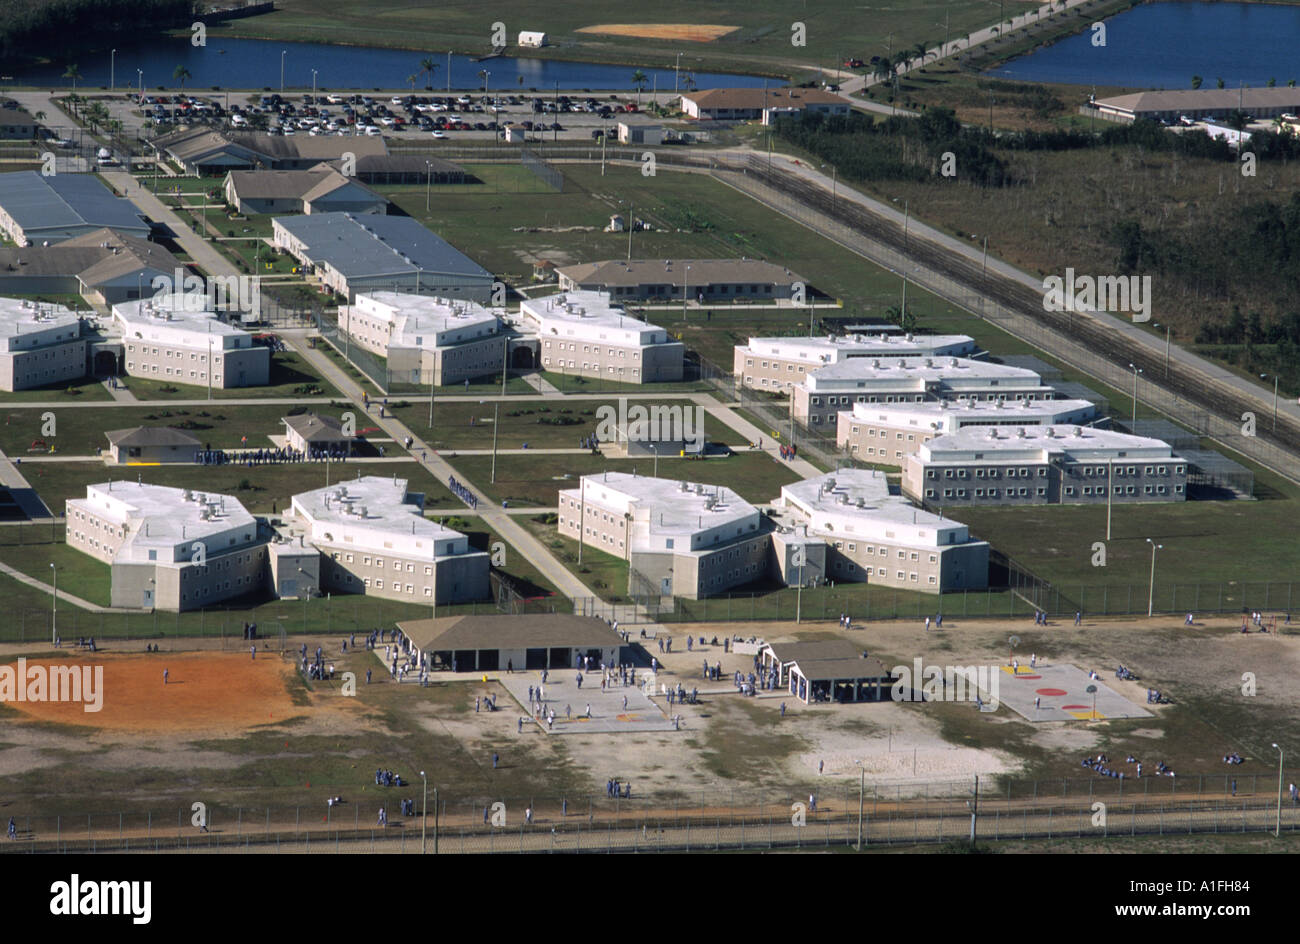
[
  {"x": 856, "y": 503},
  {"x": 1039, "y": 442},
  {"x": 951, "y": 415},
  {"x": 426, "y": 321},
  {"x": 687, "y": 512},
  {"x": 831, "y": 349},
  {"x": 161, "y": 517},
  {"x": 373, "y": 513},
  {"x": 28, "y": 324},
  {"x": 917, "y": 371},
  {"x": 184, "y": 319},
  {"x": 590, "y": 316}
]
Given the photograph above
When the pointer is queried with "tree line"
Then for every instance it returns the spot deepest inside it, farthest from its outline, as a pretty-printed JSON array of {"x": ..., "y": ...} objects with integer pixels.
[{"x": 53, "y": 28}]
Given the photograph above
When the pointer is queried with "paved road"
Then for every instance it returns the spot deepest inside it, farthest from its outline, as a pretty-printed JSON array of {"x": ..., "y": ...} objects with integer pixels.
[{"x": 200, "y": 250}]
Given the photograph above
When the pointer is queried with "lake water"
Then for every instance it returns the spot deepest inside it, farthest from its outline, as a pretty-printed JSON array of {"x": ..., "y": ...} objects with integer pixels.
[
  {"x": 255, "y": 63},
  {"x": 1162, "y": 45}
]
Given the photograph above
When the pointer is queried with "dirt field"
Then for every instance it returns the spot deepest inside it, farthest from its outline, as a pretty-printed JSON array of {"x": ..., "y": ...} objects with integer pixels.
[
  {"x": 687, "y": 32},
  {"x": 213, "y": 693}
]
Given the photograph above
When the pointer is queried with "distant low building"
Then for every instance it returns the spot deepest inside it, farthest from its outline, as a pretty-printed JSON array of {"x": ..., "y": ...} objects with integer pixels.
[
  {"x": 648, "y": 135},
  {"x": 532, "y": 39},
  {"x": 151, "y": 445},
  {"x": 1171, "y": 105},
  {"x": 747, "y": 104},
  {"x": 314, "y": 435},
  {"x": 492, "y": 642},
  {"x": 704, "y": 280},
  {"x": 201, "y": 151},
  {"x": 321, "y": 189},
  {"x": 102, "y": 265},
  {"x": 16, "y": 123}
]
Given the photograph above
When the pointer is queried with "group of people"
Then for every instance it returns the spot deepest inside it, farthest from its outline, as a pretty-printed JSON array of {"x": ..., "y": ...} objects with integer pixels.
[
  {"x": 1156, "y": 697},
  {"x": 84, "y": 642},
  {"x": 1125, "y": 674},
  {"x": 1233, "y": 758},
  {"x": 846, "y": 621},
  {"x": 789, "y": 452},
  {"x": 461, "y": 492},
  {"x": 591, "y": 442},
  {"x": 1040, "y": 618},
  {"x": 282, "y": 456},
  {"x": 665, "y": 643},
  {"x": 1099, "y": 765},
  {"x": 614, "y": 788},
  {"x": 386, "y": 778}
]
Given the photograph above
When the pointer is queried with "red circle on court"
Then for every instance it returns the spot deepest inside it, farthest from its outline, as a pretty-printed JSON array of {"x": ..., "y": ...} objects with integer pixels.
[
  {"x": 1051, "y": 692},
  {"x": 1076, "y": 707},
  {"x": 1028, "y": 678}
]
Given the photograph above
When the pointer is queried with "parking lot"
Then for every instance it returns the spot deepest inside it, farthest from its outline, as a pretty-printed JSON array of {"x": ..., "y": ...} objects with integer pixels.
[{"x": 455, "y": 116}]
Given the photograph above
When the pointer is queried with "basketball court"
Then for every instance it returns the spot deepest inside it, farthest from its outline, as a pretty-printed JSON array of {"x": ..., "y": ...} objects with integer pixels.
[
  {"x": 608, "y": 716},
  {"x": 1062, "y": 693}
]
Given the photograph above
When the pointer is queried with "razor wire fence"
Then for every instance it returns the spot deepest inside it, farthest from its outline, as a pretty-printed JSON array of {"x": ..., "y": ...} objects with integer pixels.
[{"x": 414, "y": 822}]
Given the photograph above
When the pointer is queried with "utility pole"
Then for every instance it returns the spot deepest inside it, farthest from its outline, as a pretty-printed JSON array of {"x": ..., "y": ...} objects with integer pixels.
[
  {"x": 582, "y": 516},
  {"x": 1110, "y": 472},
  {"x": 496, "y": 423},
  {"x": 975, "y": 812}
]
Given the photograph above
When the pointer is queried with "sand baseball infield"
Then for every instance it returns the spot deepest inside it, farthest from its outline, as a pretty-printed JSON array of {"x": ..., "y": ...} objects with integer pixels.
[
  {"x": 217, "y": 692},
  {"x": 687, "y": 32}
]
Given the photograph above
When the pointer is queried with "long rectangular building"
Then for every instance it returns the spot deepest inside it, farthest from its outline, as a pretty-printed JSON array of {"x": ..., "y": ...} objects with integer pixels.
[
  {"x": 584, "y": 334},
  {"x": 779, "y": 364},
  {"x": 40, "y": 345},
  {"x": 884, "y": 433},
  {"x": 828, "y": 390},
  {"x": 178, "y": 338},
  {"x": 1043, "y": 465},
  {"x": 354, "y": 253},
  {"x": 875, "y": 536},
  {"x": 374, "y": 539},
  {"x": 41, "y": 210},
  {"x": 427, "y": 340},
  {"x": 1172, "y": 104},
  {"x": 169, "y": 548},
  {"x": 706, "y": 280}
]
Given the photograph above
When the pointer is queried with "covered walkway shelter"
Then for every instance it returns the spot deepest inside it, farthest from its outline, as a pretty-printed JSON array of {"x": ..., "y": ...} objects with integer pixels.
[
  {"x": 500, "y": 642},
  {"x": 827, "y": 670}
]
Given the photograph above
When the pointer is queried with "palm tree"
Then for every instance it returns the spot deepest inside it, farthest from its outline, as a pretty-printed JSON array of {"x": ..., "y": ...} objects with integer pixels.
[
  {"x": 1272, "y": 83},
  {"x": 73, "y": 73},
  {"x": 39, "y": 116},
  {"x": 1218, "y": 83},
  {"x": 1291, "y": 83},
  {"x": 883, "y": 69},
  {"x": 411, "y": 78},
  {"x": 1196, "y": 81},
  {"x": 428, "y": 65},
  {"x": 95, "y": 113},
  {"x": 182, "y": 73},
  {"x": 483, "y": 77},
  {"x": 920, "y": 51},
  {"x": 639, "y": 80},
  {"x": 1237, "y": 119}
]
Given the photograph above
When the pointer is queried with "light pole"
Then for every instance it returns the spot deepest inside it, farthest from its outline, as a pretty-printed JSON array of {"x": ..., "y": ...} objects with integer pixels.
[
  {"x": 496, "y": 417},
  {"x": 685, "y": 286},
  {"x": 1275, "y": 382},
  {"x": 433, "y": 373},
  {"x": 1277, "y": 831},
  {"x": 209, "y": 324},
  {"x": 677, "y": 72},
  {"x": 862, "y": 786},
  {"x": 424, "y": 811},
  {"x": 428, "y": 180},
  {"x": 1151, "y": 593},
  {"x": 974, "y": 811},
  {"x": 313, "y": 83},
  {"x": 112, "y": 71},
  {"x": 140, "y": 75},
  {"x": 283, "y": 53},
  {"x": 1136, "y": 370},
  {"x": 54, "y": 612}
]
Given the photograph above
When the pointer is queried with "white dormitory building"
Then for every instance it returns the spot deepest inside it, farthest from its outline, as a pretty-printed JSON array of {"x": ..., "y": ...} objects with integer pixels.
[
  {"x": 39, "y": 345},
  {"x": 169, "y": 548},
  {"x": 884, "y": 433},
  {"x": 178, "y": 338},
  {"x": 426, "y": 339},
  {"x": 581, "y": 333},
  {"x": 1043, "y": 465},
  {"x": 873, "y": 536},
  {"x": 779, "y": 364},
  {"x": 684, "y": 539},
  {"x": 829, "y": 390},
  {"x": 374, "y": 539}
]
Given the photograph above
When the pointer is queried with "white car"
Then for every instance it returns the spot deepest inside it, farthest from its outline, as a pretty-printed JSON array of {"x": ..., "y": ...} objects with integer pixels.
[
  {"x": 395, "y": 100},
  {"x": 334, "y": 99},
  {"x": 372, "y": 131},
  {"x": 387, "y": 121},
  {"x": 440, "y": 135},
  {"x": 238, "y": 120}
]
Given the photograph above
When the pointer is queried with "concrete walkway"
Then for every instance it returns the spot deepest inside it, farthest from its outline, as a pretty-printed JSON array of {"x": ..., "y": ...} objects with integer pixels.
[
  {"x": 118, "y": 392},
  {"x": 64, "y": 596},
  {"x": 199, "y": 250}
]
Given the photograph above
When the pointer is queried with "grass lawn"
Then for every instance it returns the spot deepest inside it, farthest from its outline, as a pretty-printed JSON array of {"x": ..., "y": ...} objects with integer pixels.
[
  {"x": 291, "y": 376},
  {"x": 80, "y": 432},
  {"x": 88, "y": 388},
  {"x": 79, "y": 574},
  {"x": 355, "y": 375},
  {"x": 604, "y": 573},
  {"x": 462, "y": 424},
  {"x": 536, "y": 480},
  {"x": 528, "y": 580}
]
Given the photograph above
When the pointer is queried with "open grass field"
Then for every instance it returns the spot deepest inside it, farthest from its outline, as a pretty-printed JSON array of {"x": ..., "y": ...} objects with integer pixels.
[
  {"x": 80, "y": 432},
  {"x": 88, "y": 388},
  {"x": 537, "y": 480},
  {"x": 760, "y": 40}
]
